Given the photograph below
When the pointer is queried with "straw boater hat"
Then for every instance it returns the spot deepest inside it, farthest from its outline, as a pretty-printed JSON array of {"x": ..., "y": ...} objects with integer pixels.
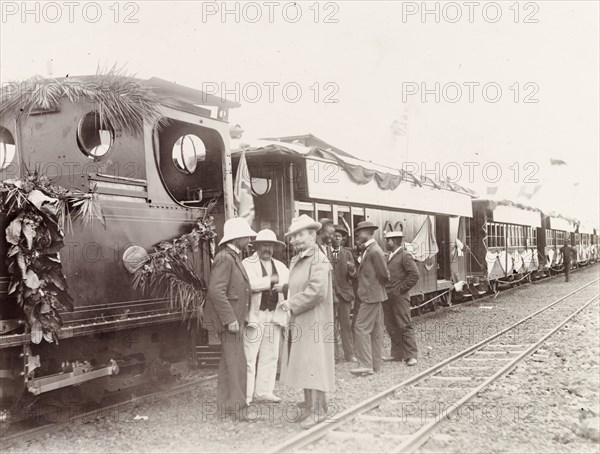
[
  {"x": 365, "y": 225},
  {"x": 267, "y": 236},
  {"x": 392, "y": 234},
  {"x": 236, "y": 228},
  {"x": 325, "y": 221},
  {"x": 340, "y": 229},
  {"x": 303, "y": 222}
]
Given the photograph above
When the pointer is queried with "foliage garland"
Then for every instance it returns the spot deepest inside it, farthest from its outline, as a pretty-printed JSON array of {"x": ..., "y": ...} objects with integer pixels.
[
  {"x": 122, "y": 101},
  {"x": 167, "y": 273},
  {"x": 38, "y": 212}
]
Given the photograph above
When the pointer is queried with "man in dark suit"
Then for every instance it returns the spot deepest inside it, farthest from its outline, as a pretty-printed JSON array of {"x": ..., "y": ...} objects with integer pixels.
[
  {"x": 568, "y": 253},
  {"x": 344, "y": 271},
  {"x": 404, "y": 275},
  {"x": 373, "y": 275},
  {"x": 227, "y": 303}
]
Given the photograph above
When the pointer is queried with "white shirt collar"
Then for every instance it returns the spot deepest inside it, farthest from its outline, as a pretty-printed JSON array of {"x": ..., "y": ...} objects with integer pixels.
[
  {"x": 368, "y": 243},
  {"x": 394, "y": 253}
]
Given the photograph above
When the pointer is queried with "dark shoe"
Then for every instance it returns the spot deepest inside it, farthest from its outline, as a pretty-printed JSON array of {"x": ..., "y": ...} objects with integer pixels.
[
  {"x": 312, "y": 420},
  {"x": 362, "y": 371},
  {"x": 411, "y": 361}
]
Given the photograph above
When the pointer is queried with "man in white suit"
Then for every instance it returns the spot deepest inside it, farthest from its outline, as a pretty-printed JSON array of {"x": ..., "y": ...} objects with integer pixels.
[{"x": 268, "y": 282}]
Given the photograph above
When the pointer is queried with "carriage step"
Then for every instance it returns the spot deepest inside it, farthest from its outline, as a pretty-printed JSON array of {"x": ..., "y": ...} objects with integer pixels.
[{"x": 208, "y": 356}]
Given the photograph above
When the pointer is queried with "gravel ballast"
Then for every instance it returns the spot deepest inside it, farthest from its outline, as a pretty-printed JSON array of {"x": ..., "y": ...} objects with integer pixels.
[
  {"x": 549, "y": 404},
  {"x": 185, "y": 423}
]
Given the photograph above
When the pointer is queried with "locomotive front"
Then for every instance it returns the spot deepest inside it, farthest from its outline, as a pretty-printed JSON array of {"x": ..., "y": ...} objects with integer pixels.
[{"x": 97, "y": 172}]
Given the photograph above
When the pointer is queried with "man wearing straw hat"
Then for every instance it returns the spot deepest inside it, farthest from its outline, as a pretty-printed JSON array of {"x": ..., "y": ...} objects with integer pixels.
[
  {"x": 268, "y": 281},
  {"x": 309, "y": 361},
  {"x": 373, "y": 275},
  {"x": 227, "y": 301},
  {"x": 404, "y": 275}
]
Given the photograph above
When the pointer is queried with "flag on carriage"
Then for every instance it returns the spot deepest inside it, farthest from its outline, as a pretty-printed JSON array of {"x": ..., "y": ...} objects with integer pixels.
[{"x": 242, "y": 191}]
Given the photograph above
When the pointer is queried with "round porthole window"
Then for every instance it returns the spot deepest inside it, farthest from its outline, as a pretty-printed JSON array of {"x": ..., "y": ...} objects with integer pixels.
[
  {"x": 7, "y": 148},
  {"x": 187, "y": 152},
  {"x": 94, "y": 138}
]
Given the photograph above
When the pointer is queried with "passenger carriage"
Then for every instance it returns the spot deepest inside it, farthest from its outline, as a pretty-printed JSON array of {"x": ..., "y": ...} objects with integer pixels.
[
  {"x": 555, "y": 230},
  {"x": 583, "y": 242},
  {"x": 503, "y": 243},
  {"x": 305, "y": 175}
]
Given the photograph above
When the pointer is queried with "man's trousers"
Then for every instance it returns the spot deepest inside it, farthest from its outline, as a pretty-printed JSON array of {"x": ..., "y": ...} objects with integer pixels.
[
  {"x": 368, "y": 336},
  {"x": 398, "y": 323},
  {"x": 343, "y": 328},
  {"x": 261, "y": 340},
  {"x": 231, "y": 387}
]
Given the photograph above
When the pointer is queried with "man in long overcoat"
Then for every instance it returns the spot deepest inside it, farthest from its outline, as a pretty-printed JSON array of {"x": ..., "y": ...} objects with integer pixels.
[
  {"x": 225, "y": 311},
  {"x": 308, "y": 356}
]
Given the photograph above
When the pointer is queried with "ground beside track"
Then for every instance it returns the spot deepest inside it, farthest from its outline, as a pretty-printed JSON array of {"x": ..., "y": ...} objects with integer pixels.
[
  {"x": 549, "y": 404},
  {"x": 184, "y": 423}
]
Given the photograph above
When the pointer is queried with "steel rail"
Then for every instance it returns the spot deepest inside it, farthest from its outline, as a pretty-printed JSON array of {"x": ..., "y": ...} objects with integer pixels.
[
  {"x": 317, "y": 432},
  {"x": 415, "y": 440},
  {"x": 46, "y": 428}
]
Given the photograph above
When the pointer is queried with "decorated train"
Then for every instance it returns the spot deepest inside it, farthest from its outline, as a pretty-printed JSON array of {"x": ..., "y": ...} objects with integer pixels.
[{"x": 113, "y": 190}]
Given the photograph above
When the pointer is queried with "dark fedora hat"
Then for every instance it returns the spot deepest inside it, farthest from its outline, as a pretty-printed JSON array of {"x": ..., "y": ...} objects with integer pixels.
[
  {"x": 340, "y": 229},
  {"x": 365, "y": 225}
]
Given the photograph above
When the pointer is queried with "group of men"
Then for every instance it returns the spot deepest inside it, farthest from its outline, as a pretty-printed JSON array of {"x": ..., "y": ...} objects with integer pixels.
[
  {"x": 381, "y": 297},
  {"x": 256, "y": 302}
]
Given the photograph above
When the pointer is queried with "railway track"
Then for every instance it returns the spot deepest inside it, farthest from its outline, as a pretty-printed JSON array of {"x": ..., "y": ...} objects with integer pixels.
[
  {"x": 105, "y": 411},
  {"x": 401, "y": 418},
  {"x": 305, "y": 438}
]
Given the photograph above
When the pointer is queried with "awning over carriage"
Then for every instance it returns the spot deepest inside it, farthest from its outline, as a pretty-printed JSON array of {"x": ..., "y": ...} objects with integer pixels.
[
  {"x": 342, "y": 178},
  {"x": 509, "y": 212}
]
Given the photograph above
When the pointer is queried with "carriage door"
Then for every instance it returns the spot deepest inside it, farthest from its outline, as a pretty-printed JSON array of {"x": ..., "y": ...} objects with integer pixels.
[{"x": 442, "y": 238}]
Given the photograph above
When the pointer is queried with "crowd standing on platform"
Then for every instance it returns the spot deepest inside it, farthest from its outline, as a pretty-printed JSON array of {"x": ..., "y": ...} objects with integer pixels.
[{"x": 270, "y": 318}]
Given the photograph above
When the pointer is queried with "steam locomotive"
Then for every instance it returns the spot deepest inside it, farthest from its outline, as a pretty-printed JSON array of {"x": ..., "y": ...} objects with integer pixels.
[{"x": 154, "y": 182}]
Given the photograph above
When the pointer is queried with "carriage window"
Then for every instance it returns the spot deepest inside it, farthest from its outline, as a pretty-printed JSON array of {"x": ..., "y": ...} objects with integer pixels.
[
  {"x": 549, "y": 237},
  {"x": 260, "y": 186},
  {"x": 531, "y": 236},
  {"x": 188, "y": 150},
  {"x": 7, "y": 148},
  {"x": 94, "y": 137}
]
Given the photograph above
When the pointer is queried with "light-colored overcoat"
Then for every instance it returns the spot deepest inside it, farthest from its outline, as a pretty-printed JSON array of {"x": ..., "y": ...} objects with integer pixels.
[{"x": 308, "y": 360}]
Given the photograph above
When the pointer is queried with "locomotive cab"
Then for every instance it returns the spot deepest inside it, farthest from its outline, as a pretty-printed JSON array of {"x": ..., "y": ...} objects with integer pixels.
[{"x": 153, "y": 158}]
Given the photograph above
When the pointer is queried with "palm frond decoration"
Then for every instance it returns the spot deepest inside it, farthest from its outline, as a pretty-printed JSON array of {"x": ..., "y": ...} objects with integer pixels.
[
  {"x": 37, "y": 213},
  {"x": 167, "y": 272},
  {"x": 121, "y": 101}
]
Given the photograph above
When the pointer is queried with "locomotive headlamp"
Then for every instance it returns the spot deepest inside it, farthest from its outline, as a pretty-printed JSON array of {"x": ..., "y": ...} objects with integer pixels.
[{"x": 134, "y": 257}]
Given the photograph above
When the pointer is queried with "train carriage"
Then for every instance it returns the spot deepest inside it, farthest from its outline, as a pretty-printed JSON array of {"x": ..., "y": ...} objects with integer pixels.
[
  {"x": 583, "y": 243},
  {"x": 555, "y": 230},
  {"x": 503, "y": 242},
  {"x": 304, "y": 175},
  {"x": 152, "y": 183}
]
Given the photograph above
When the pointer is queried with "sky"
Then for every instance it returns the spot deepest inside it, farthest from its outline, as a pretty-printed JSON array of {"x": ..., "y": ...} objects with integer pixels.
[{"x": 360, "y": 67}]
